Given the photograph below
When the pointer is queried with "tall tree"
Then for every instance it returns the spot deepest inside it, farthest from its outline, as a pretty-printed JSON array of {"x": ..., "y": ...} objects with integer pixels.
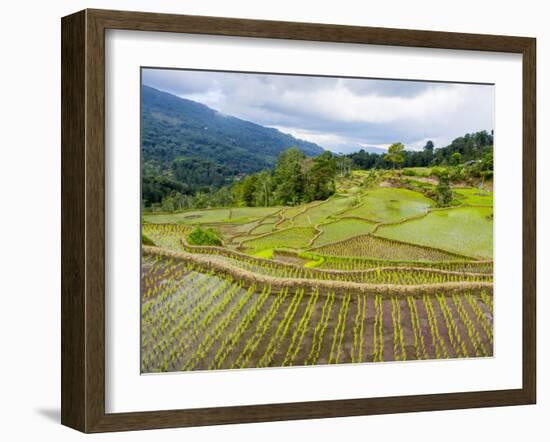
[
  {"x": 289, "y": 177},
  {"x": 321, "y": 177},
  {"x": 443, "y": 191},
  {"x": 395, "y": 154},
  {"x": 246, "y": 190},
  {"x": 264, "y": 189}
]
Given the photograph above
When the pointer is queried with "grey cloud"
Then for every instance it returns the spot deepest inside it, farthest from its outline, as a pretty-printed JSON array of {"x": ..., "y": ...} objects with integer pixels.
[
  {"x": 176, "y": 81},
  {"x": 390, "y": 88},
  {"x": 387, "y": 110}
]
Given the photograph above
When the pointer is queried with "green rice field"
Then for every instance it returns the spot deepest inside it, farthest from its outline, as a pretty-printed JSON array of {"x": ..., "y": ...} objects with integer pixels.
[
  {"x": 462, "y": 230},
  {"x": 388, "y": 205},
  {"x": 374, "y": 273}
]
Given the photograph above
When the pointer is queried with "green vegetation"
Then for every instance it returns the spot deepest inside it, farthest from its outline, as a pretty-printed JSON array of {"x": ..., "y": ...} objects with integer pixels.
[
  {"x": 403, "y": 214},
  {"x": 354, "y": 263},
  {"x": 204, "y": 310},
  {"x": 474, "y": 149},
  {"x": 443, "y": 192},
  {"x": 201, "y": 174},
  {"x": 293, "y": 238},
  {"x": 423, "y": 172},
  {"x": 261, "y": 250},
  {"x": 474, "y": 197},
  {"x": 189, "y": 217},
  {"x": 343, "y": 229},
  {"x": 408, "y": 273},
  {"x": 236, "y": 216},
  {"x": 370, "y": 246},
  {"x": 320, "y": 212},
  {"x": 188, "y": 148},
  {"x": 248, "y": 213},
  {"x": 195, "y": 320},
  {"x": 296, "y": 179},
  {"x": 196, "y": 158},
  {"x": 167, "y": 236},
  {"x": 390, "y": 205},
  {"x": 203, "y": 237},
  {"x": 145, "y": 240},
  {"x": 263, "y": 228},
  {"x": 395, "y": 154},
  {"x": 266, "y": 254},
  {"x": 463, "y": 230}
]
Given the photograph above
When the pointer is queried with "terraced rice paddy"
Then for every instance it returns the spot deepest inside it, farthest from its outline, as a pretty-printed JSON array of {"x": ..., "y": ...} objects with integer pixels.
[
  {"x": 355, "y": 264},
  {"x": 474, "y": 197},
  {"x": 195, "y": 320},
  {"x": 390, "y": 274},
  {"x": 462, "y": 230},
  {"x": 369, "y": 275},
  {"x": 343, "y": 229},
  {"x": 370, "y": 246},
  {"x": 321, "y": 212},
  {"x": 189, "y": 217},
  {"x": 293, "y": 238},
  {"x": 390, "y": 205},
  {"x": 167, "y": 236}
]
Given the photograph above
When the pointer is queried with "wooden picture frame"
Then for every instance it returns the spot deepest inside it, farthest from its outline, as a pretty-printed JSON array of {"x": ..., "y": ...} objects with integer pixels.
[{"x": 83, "y": 220}]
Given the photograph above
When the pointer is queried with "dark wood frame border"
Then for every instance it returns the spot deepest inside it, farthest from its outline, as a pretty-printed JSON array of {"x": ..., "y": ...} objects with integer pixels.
[{"x": 83, "y": 216}]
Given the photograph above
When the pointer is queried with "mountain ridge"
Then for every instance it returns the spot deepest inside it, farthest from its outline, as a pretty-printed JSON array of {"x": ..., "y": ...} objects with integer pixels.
[
  {"x": 187, "y": 147},
  {"x": 175, "y": 127}
]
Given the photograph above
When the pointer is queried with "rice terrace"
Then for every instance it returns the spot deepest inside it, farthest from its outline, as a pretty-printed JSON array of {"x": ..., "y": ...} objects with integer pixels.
[{"x": 305, "y": 257}]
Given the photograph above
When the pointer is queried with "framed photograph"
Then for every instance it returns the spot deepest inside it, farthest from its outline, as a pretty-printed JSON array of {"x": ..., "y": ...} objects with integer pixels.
[{"x": 269, "y": 220}]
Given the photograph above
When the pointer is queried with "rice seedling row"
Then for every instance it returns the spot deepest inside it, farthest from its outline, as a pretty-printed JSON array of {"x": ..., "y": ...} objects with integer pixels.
[
  {"x": 359, "y": 263},
  {"x": 391, "y": 275},
  {"x": 370, "y": 246},
  {"x": 166, "y": 235},
  {"x": 199, "y": 321}
]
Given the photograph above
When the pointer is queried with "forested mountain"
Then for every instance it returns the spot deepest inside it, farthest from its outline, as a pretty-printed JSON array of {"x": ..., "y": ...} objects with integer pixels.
[{"x": 186, "y": 145}]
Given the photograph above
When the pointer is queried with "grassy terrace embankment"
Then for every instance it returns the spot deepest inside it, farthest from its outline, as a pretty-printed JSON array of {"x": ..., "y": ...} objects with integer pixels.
[{"x": 250, "y": 278}]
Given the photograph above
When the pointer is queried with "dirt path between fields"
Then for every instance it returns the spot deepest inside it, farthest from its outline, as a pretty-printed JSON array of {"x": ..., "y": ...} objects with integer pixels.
[{"x": 324, "y": 286}]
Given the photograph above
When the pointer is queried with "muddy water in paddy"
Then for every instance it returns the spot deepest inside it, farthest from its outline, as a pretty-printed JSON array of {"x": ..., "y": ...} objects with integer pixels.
[{"x": 211, "y": 323}]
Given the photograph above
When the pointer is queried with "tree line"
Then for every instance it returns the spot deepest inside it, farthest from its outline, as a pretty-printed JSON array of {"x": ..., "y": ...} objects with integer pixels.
[
  {"x": 477, "y": 146},
  {"x": 296, "y": 179}
]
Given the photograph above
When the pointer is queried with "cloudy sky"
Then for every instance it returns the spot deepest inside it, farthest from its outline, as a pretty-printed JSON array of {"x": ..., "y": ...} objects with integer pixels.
[{"x": 340, "y": 114}]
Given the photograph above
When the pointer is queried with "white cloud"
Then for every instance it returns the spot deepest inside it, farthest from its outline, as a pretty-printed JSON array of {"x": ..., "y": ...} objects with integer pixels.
[
  {"x": 324, "y": 139},
  {"x": 340, "y": 113},
  {"x": 341, "y": 104}
]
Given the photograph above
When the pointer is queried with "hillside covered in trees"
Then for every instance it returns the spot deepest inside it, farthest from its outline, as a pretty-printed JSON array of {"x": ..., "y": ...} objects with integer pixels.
[
  {"x": 189, "y": 148},
  {"x": 294, "y": 180}
]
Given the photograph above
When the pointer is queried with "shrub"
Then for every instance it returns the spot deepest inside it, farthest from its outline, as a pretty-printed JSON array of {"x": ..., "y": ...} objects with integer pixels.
[
  {"x": 457, "y": 173},
  {"x": 438, "y": 171},
  {"x": 443, "y": 191},
  {"x": 203, "y": 237},
  {"x": 372, "y": 177}
]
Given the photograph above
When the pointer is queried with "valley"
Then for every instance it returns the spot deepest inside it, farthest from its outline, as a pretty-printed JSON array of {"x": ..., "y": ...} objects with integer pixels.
[{"x": 376, "y": 272}]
